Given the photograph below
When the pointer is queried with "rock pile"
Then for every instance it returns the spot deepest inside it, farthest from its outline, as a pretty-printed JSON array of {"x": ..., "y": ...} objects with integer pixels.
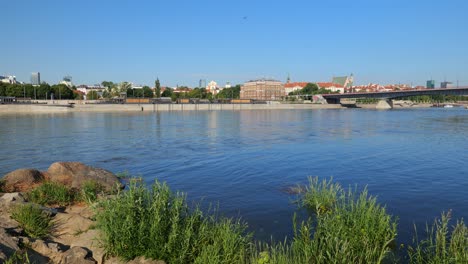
[{"x": 74, "y": 240}]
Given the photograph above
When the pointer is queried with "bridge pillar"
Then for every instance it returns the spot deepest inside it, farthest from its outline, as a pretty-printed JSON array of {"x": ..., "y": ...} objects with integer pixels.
[
  {"x": 333, "y": 100},
  {"x": 384, "y": 104}
]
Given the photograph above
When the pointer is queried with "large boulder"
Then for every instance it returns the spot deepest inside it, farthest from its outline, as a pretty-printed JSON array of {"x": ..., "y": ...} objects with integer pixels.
[
  {"x": 22, "y": 180},
  {"x": 75, "y": 174}
]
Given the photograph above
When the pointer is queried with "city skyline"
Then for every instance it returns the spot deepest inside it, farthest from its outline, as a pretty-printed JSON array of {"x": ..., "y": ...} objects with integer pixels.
[{"x": 183, "y": 42}]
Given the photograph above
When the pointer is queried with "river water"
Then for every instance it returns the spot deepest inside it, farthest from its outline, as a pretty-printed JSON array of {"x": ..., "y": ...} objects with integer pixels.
[{"x": 414, "y": 160}]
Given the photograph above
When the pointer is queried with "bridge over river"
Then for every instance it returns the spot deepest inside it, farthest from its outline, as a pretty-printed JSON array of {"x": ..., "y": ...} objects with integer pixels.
[{"x": 386, "y": 97}]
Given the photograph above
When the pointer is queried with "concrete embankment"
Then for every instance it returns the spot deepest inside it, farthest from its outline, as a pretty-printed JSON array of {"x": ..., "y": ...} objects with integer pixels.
[{"x": 63, "y": 108}]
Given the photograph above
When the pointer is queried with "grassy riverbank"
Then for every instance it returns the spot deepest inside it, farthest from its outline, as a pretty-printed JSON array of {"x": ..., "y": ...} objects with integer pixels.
[{"x": 344, "y": 226}]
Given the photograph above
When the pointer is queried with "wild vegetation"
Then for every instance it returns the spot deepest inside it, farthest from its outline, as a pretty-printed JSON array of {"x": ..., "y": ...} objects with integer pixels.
[
  {"x": 56, "y": 194},
  {"x": 342, "y": 226},
  {"x": 33, "y": 220},
  {"x": 441, "y": 244},
  {"x": 159, "y": 224}
]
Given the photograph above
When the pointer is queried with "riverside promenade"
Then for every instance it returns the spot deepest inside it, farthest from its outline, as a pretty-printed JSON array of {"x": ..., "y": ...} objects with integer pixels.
[{"x": 77, "y": 106}]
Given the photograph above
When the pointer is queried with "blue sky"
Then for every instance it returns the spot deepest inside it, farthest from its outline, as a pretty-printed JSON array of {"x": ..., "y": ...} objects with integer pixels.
[{"x": 184, "y": 41}]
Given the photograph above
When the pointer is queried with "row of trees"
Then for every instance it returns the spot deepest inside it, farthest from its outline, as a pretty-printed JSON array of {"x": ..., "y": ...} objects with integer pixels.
[
  {"x": 117, "y": 89},
  {"x": 41, "y": 92},
  {"x": 309, "y": 89},
  {"x": 201, "y": 93}
]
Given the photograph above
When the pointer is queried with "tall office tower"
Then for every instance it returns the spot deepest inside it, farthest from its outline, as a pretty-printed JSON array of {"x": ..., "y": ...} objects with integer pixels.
[{"x": 36, "y": 78}]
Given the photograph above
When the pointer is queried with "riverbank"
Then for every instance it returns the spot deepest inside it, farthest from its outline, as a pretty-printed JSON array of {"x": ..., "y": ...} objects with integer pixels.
[
  {"x": 64, "y": 106},
  {"x": 67, "y": 106},
  {"x": 73, "y": 213}
]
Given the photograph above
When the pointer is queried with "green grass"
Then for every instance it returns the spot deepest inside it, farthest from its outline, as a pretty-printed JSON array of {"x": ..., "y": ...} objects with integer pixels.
[
  {"x": 33, "y": 220},
  {"x": 321, "y": 196},
  {"x": 344, "y": 226},
  {"x": 442, "y": 245},
  {"x": 159, "y": 224},
  {"x": 52, "y": 194},
  {"x": 19, "y": 257},
  {"x": 90, "y": 191}
]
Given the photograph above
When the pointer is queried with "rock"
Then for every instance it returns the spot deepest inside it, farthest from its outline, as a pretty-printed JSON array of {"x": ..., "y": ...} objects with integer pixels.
[
  {"x": 22, "y": 180},
  {"x": 8, "y": 244},
  {"x": 51, "y": 250},
  {"x": 75, "y": 174},
  {"x": 12, "y": 197},
  {"x": 77, "y": 255},
  {"x": 143, "y": 260},
  {"x": 8, "y": 200}
]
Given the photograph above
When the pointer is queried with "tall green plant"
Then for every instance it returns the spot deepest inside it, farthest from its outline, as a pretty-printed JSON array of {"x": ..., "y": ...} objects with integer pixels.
[
  {"x": 441, "y": 245},
  {"x": 159, "y": 224}
]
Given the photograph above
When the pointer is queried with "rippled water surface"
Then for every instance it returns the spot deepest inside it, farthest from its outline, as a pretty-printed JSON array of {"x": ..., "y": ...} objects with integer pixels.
[{"x": 414, "y": 160}]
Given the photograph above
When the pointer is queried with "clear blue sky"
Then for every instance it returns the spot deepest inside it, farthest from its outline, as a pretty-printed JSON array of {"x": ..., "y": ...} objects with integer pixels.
[{"x": 180, "y": 42}]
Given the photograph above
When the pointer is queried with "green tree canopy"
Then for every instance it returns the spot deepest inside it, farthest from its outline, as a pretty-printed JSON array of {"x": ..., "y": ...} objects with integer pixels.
[{"x": 157, "y": 86}]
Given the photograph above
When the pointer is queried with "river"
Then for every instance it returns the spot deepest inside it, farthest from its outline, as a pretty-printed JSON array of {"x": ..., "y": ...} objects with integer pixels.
[{"x": 414, "y": 160}]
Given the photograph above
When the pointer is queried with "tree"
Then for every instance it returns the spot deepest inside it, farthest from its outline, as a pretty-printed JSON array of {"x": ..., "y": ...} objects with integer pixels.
[
  {"x": 92, "y": 95},
  {"x": 158, "y": 88},
  {"x": 147, "y": 92},
  {"x": 310, "y": 88},
  {"x": 167, "y": 92},
  {"x": 121, "y": 88}
]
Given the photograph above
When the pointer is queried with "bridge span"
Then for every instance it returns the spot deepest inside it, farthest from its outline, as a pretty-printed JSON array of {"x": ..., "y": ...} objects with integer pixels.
[{"x": 386, "y": 97}]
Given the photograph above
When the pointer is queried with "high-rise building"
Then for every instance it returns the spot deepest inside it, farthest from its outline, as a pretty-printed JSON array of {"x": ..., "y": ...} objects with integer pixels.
[
  {"x": 430, "y": 84},
  {"x": 445, "y": 85},
  {"x": 202, "y": 83},
  {"x": 36, "y": 78}
]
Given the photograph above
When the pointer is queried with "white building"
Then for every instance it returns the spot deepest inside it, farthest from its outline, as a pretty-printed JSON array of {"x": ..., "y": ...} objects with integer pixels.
[
  {"x": 334, "y": 87},
  {"x": 88, "y": 88},
  {"x": 290, "y": 87},
  {"x": 213, "y": 88},
  {"x": 8, "y": 79}
]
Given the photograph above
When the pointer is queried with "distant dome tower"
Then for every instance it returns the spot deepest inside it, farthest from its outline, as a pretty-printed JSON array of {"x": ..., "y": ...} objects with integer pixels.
[{"x": 288, "y": 80}]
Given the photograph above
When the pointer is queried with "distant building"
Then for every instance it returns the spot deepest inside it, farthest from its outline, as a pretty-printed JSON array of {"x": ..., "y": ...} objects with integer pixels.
[
  {"x": 263, "y": 89},
  {"x": 85, "y": 89},
  {"x": 290, "y": 87},
  {"x": 445, "y": 85},
  {"x": 212, "y": 87},
  {"x": 334, "y": 87},
  {"x": 8, "y": 79},
  {"x": 67, "y": 80},
  {"x": 345, "y": 81},
  {"x": 202, "y": 83},
  {"x": 228, "y": 85},
  {"x": 36, "y": 78},
  {"x": 430, "y": 84}
]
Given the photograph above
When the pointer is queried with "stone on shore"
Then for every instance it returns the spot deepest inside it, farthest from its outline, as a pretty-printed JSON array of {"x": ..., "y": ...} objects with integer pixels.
[
  {"x": 22, "y": 180},
  {"x": 75, "y": 174},
  {"x": 77, "y": 255},
  {"x": 8, "y": 245}
]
